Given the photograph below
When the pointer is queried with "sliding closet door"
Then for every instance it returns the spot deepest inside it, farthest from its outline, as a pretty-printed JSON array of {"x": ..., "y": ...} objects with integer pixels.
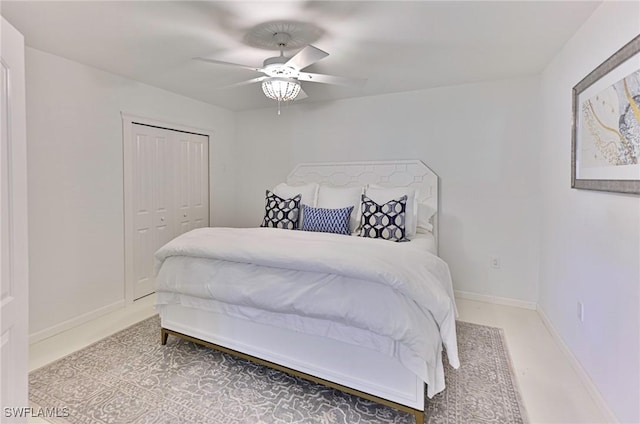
[
  {"x": 153, "y": 205},
  {"x": 169, "y": 195},
  {"x": 192, "y": 182}
]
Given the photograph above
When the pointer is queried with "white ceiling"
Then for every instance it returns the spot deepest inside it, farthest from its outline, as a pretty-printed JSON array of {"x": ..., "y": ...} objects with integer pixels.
[{"x": 396, "y": 45}]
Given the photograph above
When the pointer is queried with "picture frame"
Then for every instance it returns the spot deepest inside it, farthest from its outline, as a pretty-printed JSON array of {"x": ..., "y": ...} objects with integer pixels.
[{"x": 605, "y": 134}]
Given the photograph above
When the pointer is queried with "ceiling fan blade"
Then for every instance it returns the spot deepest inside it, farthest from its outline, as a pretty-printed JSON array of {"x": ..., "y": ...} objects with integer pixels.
[
  {"x": 306, "y": 57},
  {"x": 331, "y": 79},
  {"x": 247, "y": 82},
  {"x": 301, "y": 95},
  {"x": 220, "y": 62}
]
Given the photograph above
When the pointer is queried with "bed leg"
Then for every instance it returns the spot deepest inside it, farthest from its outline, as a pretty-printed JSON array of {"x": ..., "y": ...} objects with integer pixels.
[
  {"x": 163, "y": 336},
  {"x": 419, "y": 416}
]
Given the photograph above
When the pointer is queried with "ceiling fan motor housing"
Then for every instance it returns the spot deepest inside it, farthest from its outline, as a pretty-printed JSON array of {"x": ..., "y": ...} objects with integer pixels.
[{"x": 275, "y": 67}]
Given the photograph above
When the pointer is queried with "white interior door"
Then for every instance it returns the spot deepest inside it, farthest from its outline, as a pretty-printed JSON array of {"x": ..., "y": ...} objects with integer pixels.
[
  {"x": 13, "y": 226},
  {"x": 169, "y": 194},
  {"x": 192, "y": 182},
  {"x": 153, "y": 214}
]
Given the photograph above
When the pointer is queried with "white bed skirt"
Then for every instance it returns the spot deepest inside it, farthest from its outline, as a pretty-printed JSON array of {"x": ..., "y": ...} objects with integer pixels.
[{"x": 352, "y": 366}]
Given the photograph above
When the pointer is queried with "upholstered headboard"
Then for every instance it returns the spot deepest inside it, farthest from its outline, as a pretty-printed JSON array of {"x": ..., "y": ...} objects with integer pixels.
[{"x": 396, "y": 173}]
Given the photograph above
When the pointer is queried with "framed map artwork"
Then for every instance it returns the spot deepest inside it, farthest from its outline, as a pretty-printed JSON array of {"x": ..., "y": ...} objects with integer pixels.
[{"x": 605, "y": 145}]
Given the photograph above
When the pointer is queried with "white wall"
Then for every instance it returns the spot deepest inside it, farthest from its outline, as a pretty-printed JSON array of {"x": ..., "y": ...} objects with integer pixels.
[
  {"x": 75, "y": 170},
  {"x": 480, "y": 139},
  {"x": 590, "y": 241}
]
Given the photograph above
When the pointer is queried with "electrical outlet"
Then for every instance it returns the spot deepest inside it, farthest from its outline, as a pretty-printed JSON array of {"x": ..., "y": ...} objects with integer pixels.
[
  {"x": 581, "y": 311},
  {"x": 495, "y": 262}
]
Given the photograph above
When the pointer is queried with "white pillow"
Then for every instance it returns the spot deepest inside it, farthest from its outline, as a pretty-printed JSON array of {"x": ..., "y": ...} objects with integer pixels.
[
  {"x": 425, "y": 213},
  {"x": 341, "y": 197},
  {"x": 382, "y": 195},
  {"x": 309, "y": 192}
]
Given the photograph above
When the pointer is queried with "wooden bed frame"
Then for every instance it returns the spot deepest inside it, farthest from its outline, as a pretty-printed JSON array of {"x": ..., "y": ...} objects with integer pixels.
[{"x": 346, "y": 367}]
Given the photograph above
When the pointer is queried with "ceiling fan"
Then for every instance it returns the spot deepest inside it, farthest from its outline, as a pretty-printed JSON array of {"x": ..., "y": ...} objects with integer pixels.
[{"x": 282, "y": 75}]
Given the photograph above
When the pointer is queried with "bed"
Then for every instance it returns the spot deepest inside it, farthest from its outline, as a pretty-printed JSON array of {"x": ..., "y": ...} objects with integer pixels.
[{"x": 367, "y": 316}]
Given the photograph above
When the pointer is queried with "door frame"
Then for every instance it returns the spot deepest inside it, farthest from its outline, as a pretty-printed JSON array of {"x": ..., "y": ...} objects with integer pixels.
[{"x": 128, "y": 120}]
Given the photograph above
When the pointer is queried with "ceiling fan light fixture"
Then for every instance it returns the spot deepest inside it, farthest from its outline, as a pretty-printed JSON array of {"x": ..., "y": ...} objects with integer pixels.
[{"x": 281, "y": 89}]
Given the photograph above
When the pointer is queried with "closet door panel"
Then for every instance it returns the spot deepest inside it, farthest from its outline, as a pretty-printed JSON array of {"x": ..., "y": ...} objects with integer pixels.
[
  {"x": 192, "y": 182},
  {"x": 183, "y": 213},
  {"x": 153, "y": 202},
  {"x": 199, "y": 176},
  {"x": 162, "y": 188},
  {"x": 143, "y": 240},
  {"x": 143, "y": 153},
  {"x": 169, "y": 184}
]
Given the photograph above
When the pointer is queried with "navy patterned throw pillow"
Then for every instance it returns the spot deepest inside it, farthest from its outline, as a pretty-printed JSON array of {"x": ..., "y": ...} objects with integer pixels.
[
  {"x": 326, "y": 220},
  {"x": 385, "y": 221},
  {"x": 281, "y": 213}
]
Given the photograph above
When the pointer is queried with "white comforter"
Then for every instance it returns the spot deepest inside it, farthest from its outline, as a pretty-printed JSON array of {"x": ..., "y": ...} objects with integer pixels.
[{"x": 369, "y": 284}]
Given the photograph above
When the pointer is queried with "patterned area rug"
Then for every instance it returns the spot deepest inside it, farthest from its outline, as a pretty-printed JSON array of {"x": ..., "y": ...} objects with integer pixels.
[{"x": 130, "y": 378}]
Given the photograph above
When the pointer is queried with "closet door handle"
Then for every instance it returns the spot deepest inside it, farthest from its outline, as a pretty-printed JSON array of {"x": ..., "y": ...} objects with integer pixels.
[{"x": 162, "y": 218}]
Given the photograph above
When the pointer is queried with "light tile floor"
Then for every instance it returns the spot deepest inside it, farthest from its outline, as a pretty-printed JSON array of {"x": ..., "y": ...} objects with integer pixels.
[{"x": 551, "y": 389}]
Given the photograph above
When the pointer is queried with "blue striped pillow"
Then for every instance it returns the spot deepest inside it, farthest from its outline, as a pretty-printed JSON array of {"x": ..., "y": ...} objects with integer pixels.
[{"x": 326, "y": 220}]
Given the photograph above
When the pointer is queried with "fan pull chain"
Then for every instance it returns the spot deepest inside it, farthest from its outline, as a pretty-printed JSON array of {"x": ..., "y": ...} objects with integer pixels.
[{"x": 281, "y": 55}]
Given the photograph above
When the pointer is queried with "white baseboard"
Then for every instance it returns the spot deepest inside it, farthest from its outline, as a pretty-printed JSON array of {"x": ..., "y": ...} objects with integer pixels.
[
  {"x": 577, "y": 366},
  {"x": 495, "y": 300},
  {"x": 74, "y": 322}
]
